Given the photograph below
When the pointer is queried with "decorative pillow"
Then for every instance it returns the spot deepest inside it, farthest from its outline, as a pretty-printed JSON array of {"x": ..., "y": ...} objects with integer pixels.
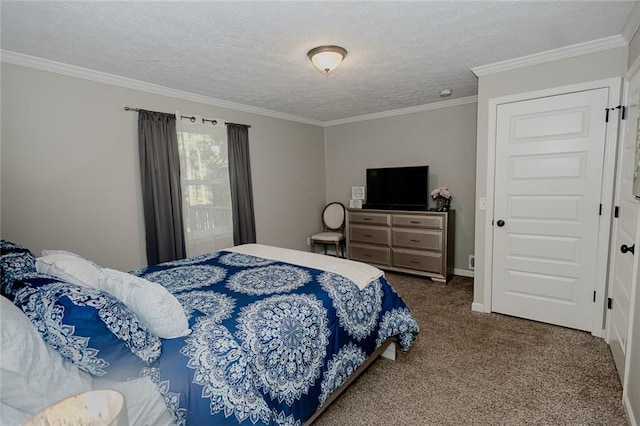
[
  {"x": 15, "y": 266},
  {"x": 33, "y": 375},
  {"x": 15, "y": 263},
  {"x": 153, "y": 304},
  {"x": 69, "y": 267},
  {"x": 88, "y": 327},
  {"x": 9, "y": 247}
]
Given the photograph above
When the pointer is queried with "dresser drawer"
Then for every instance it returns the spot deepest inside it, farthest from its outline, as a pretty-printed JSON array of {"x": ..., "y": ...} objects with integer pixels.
[
  {"x": 417, "y": 239},
  {"x": 369, "y": 254},
  {"x": 369, "y": 234},
  {"x": 369, "y": 218},
  {"x": 413, "y": 242},
  {"x": 422, "y": 261},
  {"x": 411, "y": 221}
]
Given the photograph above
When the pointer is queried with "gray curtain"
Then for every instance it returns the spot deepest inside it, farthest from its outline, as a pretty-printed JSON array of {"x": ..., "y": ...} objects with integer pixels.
[
  {"x": 161, "y": 193},
  {"x": 244, "y": 223}
]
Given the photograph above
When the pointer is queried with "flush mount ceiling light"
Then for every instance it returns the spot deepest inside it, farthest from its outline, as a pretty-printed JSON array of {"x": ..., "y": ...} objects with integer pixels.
[
  {"x": 445, "y": 93},
  {"x": 326, "y": 58}
]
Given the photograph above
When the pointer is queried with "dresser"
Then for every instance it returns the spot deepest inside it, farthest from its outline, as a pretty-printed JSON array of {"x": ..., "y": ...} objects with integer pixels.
[{"x": 414, "y": 242}]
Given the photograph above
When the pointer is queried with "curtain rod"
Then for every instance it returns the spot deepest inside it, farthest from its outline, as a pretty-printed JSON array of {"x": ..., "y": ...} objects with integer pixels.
[{"x": 191, "y": 118}]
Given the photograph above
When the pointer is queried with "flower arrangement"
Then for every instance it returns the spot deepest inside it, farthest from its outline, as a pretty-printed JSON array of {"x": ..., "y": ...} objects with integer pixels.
[{"x": 442, "y": 197}]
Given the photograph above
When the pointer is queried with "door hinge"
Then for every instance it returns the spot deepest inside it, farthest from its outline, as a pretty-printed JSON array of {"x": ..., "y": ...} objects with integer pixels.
[
  {"x": 623, "y": 112},
  {"x": 609, "y": 303},
  {"x": 616, "y": 211},
  {"x": 600, "y": 210},
  {"x": 594, "y": 296}
]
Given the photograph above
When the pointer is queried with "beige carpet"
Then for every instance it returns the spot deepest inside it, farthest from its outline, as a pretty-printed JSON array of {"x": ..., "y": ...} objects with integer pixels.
[{"x": 482, "y": 369}]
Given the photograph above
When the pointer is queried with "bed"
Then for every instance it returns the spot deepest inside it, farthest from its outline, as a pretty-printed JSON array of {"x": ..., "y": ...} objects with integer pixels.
[{"x": 272, "y": 335}]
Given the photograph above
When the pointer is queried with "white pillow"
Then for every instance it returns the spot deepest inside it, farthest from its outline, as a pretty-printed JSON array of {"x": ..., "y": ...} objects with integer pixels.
[
  {"x": 151, "y": 302},
  {"x": 69, "y": 267},
  {"x": 11, "y": 416},
  {"x": 33, "y": 375}
]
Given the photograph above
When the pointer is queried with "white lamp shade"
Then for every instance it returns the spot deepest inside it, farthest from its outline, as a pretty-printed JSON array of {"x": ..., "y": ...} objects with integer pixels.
[
  {"x": 95, "y": 408},
  {"x": 327, "y": 58}
]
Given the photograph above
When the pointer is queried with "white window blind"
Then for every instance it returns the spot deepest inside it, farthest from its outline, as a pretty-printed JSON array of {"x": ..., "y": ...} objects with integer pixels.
[{"x": 204, "y": 173}]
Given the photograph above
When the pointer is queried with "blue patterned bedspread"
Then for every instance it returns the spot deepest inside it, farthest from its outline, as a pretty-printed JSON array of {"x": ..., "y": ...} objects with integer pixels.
[{"x": 270, "y": 340}]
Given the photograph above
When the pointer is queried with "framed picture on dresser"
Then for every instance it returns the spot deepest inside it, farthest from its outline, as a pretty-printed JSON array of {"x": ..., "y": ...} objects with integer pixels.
[{"x": 355, "y": 204}]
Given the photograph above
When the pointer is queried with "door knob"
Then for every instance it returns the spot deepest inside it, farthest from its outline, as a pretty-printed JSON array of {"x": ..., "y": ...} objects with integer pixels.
[
  {"x": 624, "y": 248},
  {"x": 500, "y": 223}
]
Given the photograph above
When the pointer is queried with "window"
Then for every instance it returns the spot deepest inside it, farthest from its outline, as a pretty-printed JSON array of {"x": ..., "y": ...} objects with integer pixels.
[{"x": 204, "y": 173}]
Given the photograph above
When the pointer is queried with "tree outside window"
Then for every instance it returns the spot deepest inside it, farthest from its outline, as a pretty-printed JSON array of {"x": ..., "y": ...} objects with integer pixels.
[{"x": 206, "y": 192}]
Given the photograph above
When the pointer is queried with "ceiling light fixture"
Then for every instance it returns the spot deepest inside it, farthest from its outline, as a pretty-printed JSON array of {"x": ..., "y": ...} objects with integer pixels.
[
  {"x": 445, "y": 93},
  {"x": 326, "y": 58}
]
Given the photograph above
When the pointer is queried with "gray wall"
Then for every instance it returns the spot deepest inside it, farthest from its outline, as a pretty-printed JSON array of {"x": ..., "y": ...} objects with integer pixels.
[
  {"x": 70, "y": 177},
  {"x": 583, "y": 68},
  {"x": 634, "y": 50},
  {"x": 634, "y": 43},
  {"x": 444, "y": 139}
]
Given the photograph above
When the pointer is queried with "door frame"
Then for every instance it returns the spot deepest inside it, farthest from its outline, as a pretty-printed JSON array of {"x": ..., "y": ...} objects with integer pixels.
[
  {"x": 635, "y": 288},
  {"x": 626, "y": 100},
  {"x": 606, "y": 197}
]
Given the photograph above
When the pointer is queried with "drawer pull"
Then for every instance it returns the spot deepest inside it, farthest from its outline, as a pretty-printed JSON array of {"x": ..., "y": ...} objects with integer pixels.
[
  {"x": 368, "y": 235},
  {"x": 415, "y": 262},
  {"x": 368, "y": 219},
  {"x": 367, "y": 255},
  {"x": 414, "y": 240},
  {"x": 416, "y": 221}
]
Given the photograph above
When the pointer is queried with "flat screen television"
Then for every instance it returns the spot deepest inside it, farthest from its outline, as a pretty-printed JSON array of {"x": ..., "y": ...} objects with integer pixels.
[{"x": 398, "y": 188}]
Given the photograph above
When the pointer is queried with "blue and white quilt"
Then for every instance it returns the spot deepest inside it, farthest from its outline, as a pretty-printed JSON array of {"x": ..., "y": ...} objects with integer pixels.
[{"x": 270, "y": 340}]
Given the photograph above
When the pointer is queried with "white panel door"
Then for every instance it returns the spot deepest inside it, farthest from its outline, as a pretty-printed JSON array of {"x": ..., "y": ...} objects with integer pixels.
[
  {"x": 624, "y": 232},
  {"x": 549, "y": 165}
]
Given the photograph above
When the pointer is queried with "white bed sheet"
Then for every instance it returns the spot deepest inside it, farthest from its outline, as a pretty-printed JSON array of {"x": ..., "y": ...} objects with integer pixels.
[{"x": 360, "y": 273}]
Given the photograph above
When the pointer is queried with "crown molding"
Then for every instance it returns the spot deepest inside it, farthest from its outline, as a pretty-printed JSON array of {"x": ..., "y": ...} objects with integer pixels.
[
  {"x": 21, "y": 59},
  {"x": 552, "y": 55},
  {"x": 402, "y": 111},
  {"x": 632, "y": 24}
]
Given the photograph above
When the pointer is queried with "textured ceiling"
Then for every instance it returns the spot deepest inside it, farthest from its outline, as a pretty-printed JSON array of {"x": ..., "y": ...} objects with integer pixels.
[{"x": 401, "y": 54}]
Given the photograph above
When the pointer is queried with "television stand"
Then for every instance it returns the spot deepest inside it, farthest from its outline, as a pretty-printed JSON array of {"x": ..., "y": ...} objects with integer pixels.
[{"x": 409, "y": 241}]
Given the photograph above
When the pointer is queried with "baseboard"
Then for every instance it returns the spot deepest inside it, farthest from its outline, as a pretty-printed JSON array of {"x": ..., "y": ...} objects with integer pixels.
[
  {"x": 477, "y": 307},
  {"x": 629, "y": 409},
  {"x": 463, "y": 272}
]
